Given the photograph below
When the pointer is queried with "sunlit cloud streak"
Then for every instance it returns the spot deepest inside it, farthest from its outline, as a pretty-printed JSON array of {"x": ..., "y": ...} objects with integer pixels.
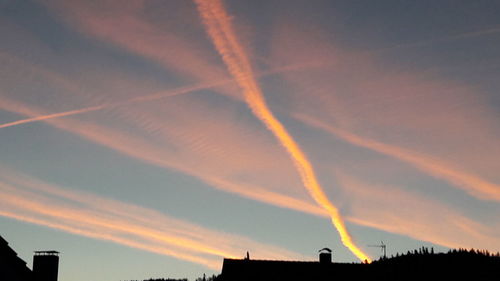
[
  {"x": 470, "y": 183},
  {"x": 130, "y": 145},
  {"x": 476, "y": 33},
  {"x": 125, "y": 27},
  {"x": 198, "y": 165},
  {"x": 152, "y": 97},
  {"x": 85, "y": 214},
  {"x": 395, "y": 210},
  {"x": 98, "y": 234},
  {"x": 221, "y": 32},
  {"x": 78, "y": 222},
  {"x": 145, "y": 98},
  {"x": 50, "y": 116},
  {"x": 453, "y": 138},
  {"x": 135, "y": 146}
]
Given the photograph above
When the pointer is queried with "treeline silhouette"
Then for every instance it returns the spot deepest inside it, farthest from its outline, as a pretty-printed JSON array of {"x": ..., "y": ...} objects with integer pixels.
[
  {"x": 459, "y": 253},
  {"x": 420, "y": 264},
  {"x": 211, "y": 278},
  {"x": 204, "y": 278},
  {"x": 453, "y": 256},
  {"x": 162, "y": 279},
  {"x": 424, "y": 264}
]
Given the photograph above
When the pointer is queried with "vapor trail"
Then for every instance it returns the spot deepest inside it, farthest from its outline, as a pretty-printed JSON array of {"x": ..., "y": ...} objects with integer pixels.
[
  {"x": 219, "y": 28},
  {"x": 470, "y": 183},
  {"x": 110, "y": 237},
  {"x": 50, "y": 116},
  {"x": 156, "y": 96},
  {"x": 33, "y": 201},
  {"x": 174, "y": 92}
]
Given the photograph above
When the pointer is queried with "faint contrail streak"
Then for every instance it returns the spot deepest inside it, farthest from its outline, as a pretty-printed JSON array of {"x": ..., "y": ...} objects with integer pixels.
[
  {"x": 219, "y": 28},
  {"x": 174, "y": 92},
  {"x": 470, "y": 183},
  {"x": 110, "y": 237},
  {"x": 85, "y": 214},
  {"x": 102, "y": 221},
  {"x": 492, "y": 30},
  {"x": 50, "y": 116},
  {"x": 160, "y": 95}
]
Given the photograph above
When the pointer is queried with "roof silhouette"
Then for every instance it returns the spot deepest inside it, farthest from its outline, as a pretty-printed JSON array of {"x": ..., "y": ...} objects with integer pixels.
[
  {"x": 13, "y": 267},
  {"x": 417, "y": 265}
]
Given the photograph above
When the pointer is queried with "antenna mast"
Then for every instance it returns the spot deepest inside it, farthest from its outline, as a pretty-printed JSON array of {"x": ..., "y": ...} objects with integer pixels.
[{"x": 382, "y": 246}]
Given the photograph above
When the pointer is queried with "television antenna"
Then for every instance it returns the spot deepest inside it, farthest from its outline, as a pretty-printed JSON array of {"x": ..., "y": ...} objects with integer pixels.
[{"x": 382, "y": 246}]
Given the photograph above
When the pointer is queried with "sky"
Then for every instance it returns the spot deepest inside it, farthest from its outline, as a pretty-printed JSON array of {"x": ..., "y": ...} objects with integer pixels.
[{"x": 154, "y": 138}]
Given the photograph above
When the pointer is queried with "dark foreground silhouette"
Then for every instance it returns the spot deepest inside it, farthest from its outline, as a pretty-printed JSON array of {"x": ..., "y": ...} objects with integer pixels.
[
  {"x": 13, "y": 268},
  {"x": 204, "y": 278},
  {"x": 422, "y": 264}
]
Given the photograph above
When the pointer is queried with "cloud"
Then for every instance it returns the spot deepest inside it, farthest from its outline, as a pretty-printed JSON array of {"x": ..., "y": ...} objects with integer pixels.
[
  {"x": 403, "y": 212},
  {"x": 82, "y": 213},
  {"x": 191, "y": 143},
  {"x": 470, "y": 183},
  {"x": 128, "y": 27},
  {"x": 222, "y": 34},
  {"x": 446, "y": 129},
  {"x": 442, "y": 129}
]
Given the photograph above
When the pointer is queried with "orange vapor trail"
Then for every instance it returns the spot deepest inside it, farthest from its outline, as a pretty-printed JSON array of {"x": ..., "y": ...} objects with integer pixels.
[
  {"x": 109, "y": 139},
  {"x": 470, "y": 183},
  {"x": 220, "y": 30},
  {"x": 152, "y": 97},
  {"x": 114, "y": 224},
  {"x": 50, "y": 116},
  {"x": 113, "y": 238},
  {"x": 30, "y": 200},
  {"x": 174, "y": 92}
]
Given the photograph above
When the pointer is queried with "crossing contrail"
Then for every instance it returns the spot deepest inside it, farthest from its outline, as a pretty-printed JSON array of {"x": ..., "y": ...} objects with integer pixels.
[
  {"x": 163, "y": 94},
  {"x": 151, "y": 97},
  {"x": 51, "y": 116},
  {"x": 219, "y": 28},
  {"x": 469, "y": 182}
]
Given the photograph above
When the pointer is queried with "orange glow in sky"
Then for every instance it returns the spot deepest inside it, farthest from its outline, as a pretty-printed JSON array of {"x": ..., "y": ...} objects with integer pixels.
[{"x": 218, "y": 26}]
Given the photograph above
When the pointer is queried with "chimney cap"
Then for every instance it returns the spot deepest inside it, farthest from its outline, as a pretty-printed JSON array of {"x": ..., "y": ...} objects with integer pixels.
[
  {"x": 325, "y": 250},
  {"x": 46, "y": 253}
]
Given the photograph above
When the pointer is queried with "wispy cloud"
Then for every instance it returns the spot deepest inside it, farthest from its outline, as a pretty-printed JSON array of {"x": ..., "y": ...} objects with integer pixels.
[
  {"x": 81, "y": 213},
  {"x": 403, "y": 212},
  {"x": 202, "y": 157},
  {"x": 221, "y": 32},
  {"x": 388, "y": 219},
  {"x": 466, "y": 35},
  {"x": 470, "y": 183},
  {"x": 440, "y": 129},
  {"x": 169, "y": 93},
  {"x": 127, "y": 27},
  {"x": 445, "y": 129}
]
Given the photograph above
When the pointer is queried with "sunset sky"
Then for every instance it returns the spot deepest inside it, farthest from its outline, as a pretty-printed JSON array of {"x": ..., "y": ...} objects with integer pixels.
[{"x": 153, "y": 138}]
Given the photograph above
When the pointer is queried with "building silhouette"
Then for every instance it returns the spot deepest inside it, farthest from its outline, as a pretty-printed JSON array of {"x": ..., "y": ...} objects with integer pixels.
[
  {"x": 419, "y": 265},
  {"x": 324, "y": 269},
  {"x": 13, "y": 268},
  {"x": 45, "y": 265}
]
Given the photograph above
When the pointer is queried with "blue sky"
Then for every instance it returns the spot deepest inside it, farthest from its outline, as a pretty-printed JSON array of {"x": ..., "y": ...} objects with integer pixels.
[{"x": 130, "y": 144}]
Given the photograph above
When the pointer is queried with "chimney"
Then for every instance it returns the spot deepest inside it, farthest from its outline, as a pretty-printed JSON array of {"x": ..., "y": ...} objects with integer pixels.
[
  {"x": 325, "y": 256},
  {"x": 45, "y": 265}
]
